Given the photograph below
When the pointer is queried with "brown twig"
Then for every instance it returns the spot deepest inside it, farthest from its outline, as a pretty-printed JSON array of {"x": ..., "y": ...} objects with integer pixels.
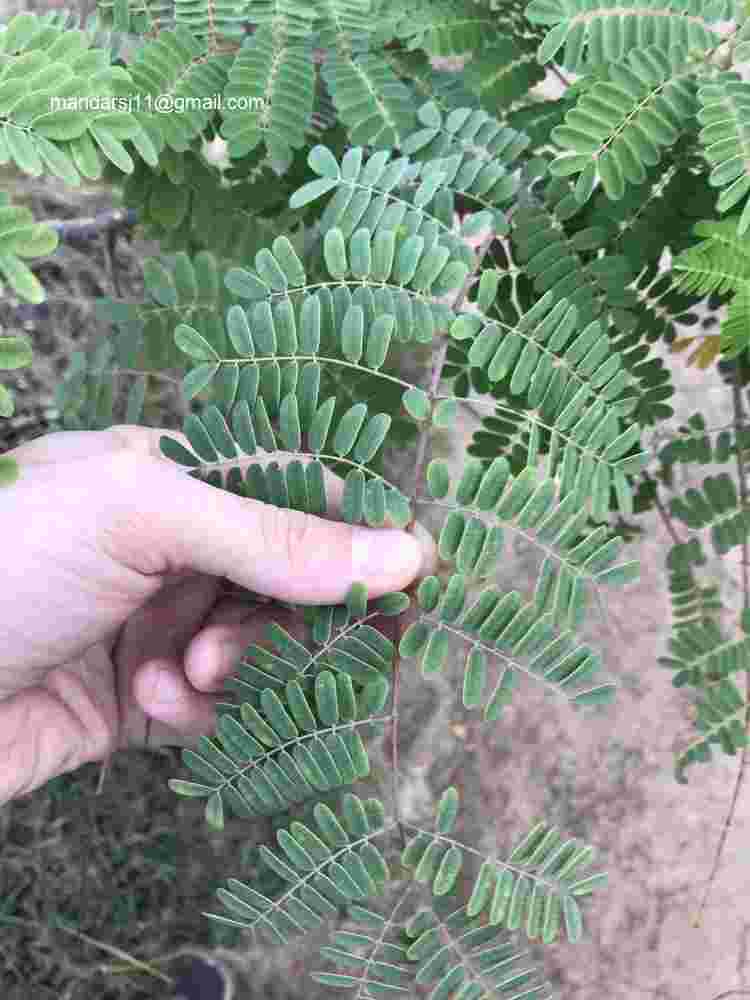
[
  {"x": 421, "y": 453},
  {"x": 560, "y": 76},
  {"x": 663, "y": 512},
  {"x": 439, "y": 362},
  {"x": 739, "y": 423},
  {"x": 95, "y": 225}
]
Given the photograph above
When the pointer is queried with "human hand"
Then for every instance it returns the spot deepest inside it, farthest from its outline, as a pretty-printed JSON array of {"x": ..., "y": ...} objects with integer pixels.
[{"x": 112, "y": 623}]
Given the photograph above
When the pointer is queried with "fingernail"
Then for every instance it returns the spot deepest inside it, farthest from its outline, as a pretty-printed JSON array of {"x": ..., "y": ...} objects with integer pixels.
[
  {"x": 165, "y": 689},
  {"x": 387, "y": 551}
]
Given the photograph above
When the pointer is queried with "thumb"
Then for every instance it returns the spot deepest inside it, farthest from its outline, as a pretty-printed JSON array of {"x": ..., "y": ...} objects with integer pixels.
[{"x": 185, "y": 524}]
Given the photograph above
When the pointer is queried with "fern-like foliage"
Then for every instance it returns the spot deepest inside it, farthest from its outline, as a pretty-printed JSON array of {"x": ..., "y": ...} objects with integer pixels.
[
  {"x": 718, "y": 507},
  {"x": 190, "y": 290},
  {"x": 500, "y": 626},
  {"x": 591, "y": 33},
  {"x": 721, "y": 718},
  {"x": 450, "y": 947},
  {"x": 295, "y": 743},
  {"x": 325, "y": 868},
  {"x": 373, "y": 103},
  {"x": 567, "y": 263},
  {"x": 503, "y": 72},
  {"x": 444, "y": 28},
  {"x": 216, "y": 22},
  {"x": 720, "y": 265},
  {"x": 277, "y": 73},
  {"x": 693, "y": 443},
  {"x": 724, "y": 115},
  {"x": 619, "y": 127},
  {"x": 174, "y": 79},
  {"x": 60, "y": 107},
  {"x": 20, "y": 239},
  {"x": 419, "y": 196},
  {"x": 692, "y": 603}
]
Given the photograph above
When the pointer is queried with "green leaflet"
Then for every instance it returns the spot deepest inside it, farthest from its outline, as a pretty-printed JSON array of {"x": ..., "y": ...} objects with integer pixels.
[
  {"x": 334, "y": 250},
  {"x": 417, "y": 403}
]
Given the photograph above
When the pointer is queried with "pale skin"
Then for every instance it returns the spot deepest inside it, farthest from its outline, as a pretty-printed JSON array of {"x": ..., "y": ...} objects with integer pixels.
[{"x": 113, "y": 627}]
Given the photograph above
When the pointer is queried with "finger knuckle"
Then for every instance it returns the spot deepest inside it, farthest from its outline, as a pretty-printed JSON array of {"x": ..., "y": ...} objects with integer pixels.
[{"x": 290, "y": 534}]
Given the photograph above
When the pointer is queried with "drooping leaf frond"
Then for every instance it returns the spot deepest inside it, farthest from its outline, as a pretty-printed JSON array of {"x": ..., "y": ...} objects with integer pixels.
[
  {"x": 445, "y": 27},
  {"x": 521, "y": 637},
  {"x": 392, "y": 193},
  {"x": 475, "y": 153},
  {"x": 269, "y": 95},
  {"x": 335, "y": 864},
  {"x": 473, "y": 133},
  {"x": 20, "y": 239},
  {"x": 301, "y": 739},
  {"x": 393, "y": 288},
  {"x": 619, "y": 127},
  {"x": 549, "y": 355},
  {"x": 692, "y": 603},
  {"x": 701, "y": 654},
  {"x": 59, "y": 110},
  {"x": 529, "y": 502},
  {"x": 503, "y": 72},
  {"x": 298, "y": 330},
  {"x": 725, "y": 116},
  {"x": 721, "y": 718},
  {"x": 566, "y": 264},
  {"x": 592, "y": 33},
  {"x": 717, "y": 506},
  {"x": 299, "y": 486},
  {"x": 372, "y": 102},
  {"x": 535, "y": 887},
  {"x": 177, "y": 69},
  {"x": 465, "y": 949},
  {"x": 189, "y": 290},
  {"x": 438, "y": 946}
]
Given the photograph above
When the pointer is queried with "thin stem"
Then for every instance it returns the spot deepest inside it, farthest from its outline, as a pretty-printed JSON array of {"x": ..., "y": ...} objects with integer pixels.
[
  {"x": 437, "y": 370},
  {"x": 739, "y": 423},
  {"x": 438, "y": 361},
  {"x": 155, "y": 374},
  {"x": 663, "y": 512},
  {"x": 560, "y": 75},
  {"x": 395, "y": 703}
]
